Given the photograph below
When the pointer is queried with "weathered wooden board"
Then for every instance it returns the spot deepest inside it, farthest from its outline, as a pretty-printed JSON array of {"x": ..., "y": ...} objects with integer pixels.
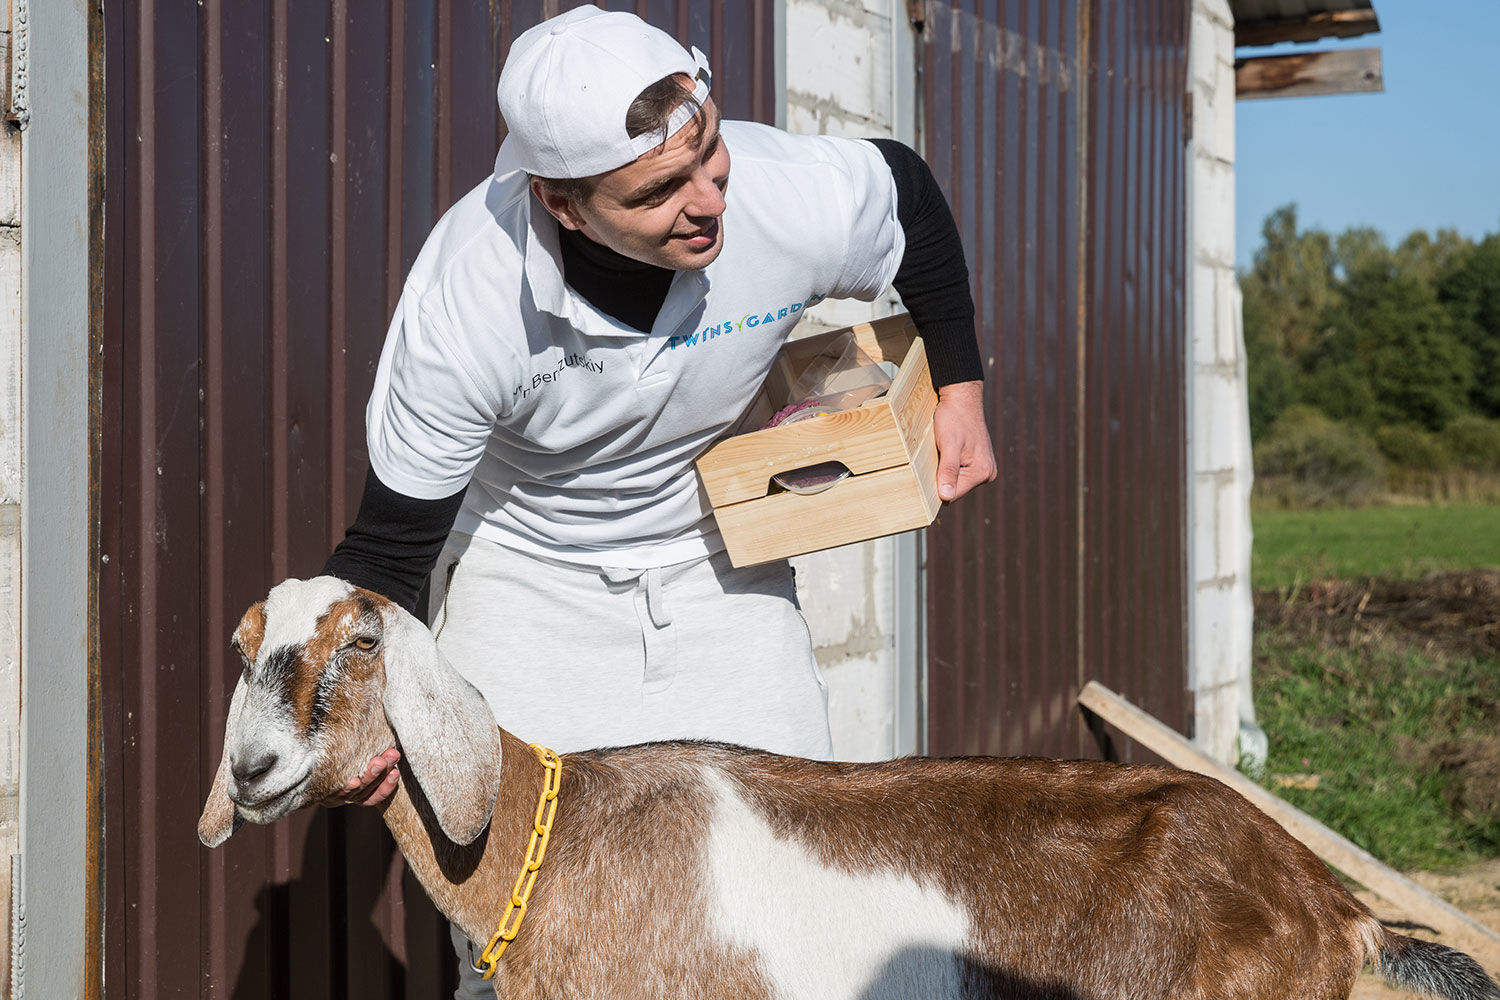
[
  {"x": 1458, "y": 929},
  {"x": 1307, "y": 27},
  {"x": 1310, "y": 74}
]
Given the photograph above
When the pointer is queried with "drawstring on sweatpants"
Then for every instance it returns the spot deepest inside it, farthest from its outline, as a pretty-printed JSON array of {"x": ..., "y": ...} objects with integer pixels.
[{"x": 656, "y": 602}]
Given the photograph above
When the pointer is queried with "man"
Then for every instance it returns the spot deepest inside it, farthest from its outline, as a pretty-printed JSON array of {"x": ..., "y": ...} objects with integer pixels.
[{"x": 542, "y": 395}]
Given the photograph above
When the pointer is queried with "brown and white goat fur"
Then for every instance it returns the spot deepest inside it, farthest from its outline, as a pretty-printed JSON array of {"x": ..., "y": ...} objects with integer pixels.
[{"x": 703, "y": 870}]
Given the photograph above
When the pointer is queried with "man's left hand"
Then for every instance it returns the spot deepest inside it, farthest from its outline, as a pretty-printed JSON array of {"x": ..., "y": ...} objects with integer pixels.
[{"x": 965, "y": 456}]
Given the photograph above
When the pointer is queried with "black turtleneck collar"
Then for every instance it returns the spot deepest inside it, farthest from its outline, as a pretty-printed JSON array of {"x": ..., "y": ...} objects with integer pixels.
[{"x": 629, "y": 290}]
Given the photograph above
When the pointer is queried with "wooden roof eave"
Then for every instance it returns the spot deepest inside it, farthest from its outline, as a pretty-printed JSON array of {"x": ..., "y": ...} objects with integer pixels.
[{"x": 1306, "y": 27}]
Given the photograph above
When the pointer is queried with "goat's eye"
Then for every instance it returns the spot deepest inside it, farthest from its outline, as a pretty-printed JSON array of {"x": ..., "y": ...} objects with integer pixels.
[{"x": 365, "y": 642}]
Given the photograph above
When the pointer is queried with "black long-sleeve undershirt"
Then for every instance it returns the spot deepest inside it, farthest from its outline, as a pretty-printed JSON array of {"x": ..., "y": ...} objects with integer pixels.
[
  {"x": 396, "y": 540},
  {"x": 933, "y": 279}
]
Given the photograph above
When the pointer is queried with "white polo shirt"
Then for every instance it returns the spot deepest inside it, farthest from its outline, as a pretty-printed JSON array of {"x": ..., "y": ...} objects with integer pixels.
[{"x": 574, "y": 433}]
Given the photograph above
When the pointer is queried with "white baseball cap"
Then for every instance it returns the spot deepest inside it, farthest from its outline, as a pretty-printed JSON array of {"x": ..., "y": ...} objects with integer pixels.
[{"x": 568, "y": 82}]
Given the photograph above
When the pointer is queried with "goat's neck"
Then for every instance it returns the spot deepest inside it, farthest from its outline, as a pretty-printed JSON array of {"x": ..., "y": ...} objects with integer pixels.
[{"x": 471, "y": 884}]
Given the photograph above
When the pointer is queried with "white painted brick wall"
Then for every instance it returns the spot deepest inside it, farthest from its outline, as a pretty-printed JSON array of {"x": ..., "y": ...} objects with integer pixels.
[
  {"x": 1220, "y": 454},
  {"x": 839, "y": 68},
  {"x": 847, "y": 597},
  {"x": 842, "y": 55}
]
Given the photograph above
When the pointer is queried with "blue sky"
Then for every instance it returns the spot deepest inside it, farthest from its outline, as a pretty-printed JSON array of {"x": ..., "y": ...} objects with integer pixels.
[{"x": 1425, "y": 154}]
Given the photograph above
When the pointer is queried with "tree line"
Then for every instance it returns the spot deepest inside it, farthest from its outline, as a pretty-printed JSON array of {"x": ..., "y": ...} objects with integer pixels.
[{"x": 1372, "y": 368}]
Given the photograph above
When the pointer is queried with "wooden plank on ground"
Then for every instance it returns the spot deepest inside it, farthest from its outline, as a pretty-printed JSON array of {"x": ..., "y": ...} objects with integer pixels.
[
  {"x": 1306, "y": 28},
  {"x": 1309, "y": 74},
  {"x": 1458, "y": 929}
]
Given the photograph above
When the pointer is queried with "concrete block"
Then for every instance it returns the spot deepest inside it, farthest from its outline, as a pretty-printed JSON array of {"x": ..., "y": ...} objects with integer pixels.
[
  {"x": 801, "y": 118},
  {"x": 1204, "y": 134},
  {"x": 839, "y": 56},
  {"x": 855, "y": 127},
  {"x": 836, "y": 313},
  {"x": 1216, "y": 723},
  {"x": 1204, "y": 332},
  {"x": 861, "y": 715},
  {"x": 1216, "y": 653},
  {"x": 1227, "y": 314},
  {"x": 1223, "y": 113},
  {"x": 1224, "y": 35},
  {"x": 1203, "y": 49},
  {"x": 1205, "y": 528},
  {"x": 848, "y": 599},
  {"x": 1219, "y": 421},
  {"x": 1234, "y": 543},
  {"x": 1217, "y": 10},
  {"x": 1213, "y": 212}
]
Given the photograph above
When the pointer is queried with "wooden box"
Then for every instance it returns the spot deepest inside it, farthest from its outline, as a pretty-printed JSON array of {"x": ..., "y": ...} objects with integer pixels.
[{"x": 887, "y": 445}]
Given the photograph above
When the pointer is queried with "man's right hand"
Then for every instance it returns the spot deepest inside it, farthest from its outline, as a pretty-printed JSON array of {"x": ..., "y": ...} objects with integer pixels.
[{"x": 377, "y": 784}]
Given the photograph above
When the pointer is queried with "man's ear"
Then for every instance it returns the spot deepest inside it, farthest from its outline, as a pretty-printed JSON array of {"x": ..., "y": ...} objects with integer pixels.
[{"x": 558, "y": 206}]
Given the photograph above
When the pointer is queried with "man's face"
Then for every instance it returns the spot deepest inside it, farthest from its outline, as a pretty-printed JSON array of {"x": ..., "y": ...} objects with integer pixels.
[{"x": 665, "y": 208}]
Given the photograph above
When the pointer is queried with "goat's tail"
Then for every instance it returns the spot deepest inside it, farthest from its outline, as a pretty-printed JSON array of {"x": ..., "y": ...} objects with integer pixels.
[{"x": 1435, "y": 969}]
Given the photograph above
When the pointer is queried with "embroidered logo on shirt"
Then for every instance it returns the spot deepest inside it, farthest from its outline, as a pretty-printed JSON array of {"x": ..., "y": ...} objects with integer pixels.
[
  {"x": 548, "y": 377},
  {"x": 754, "y": 319}
]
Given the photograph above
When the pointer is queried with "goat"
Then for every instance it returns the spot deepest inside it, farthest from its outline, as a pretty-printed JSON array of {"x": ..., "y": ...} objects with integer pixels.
[{"x": 694, "y": 869}]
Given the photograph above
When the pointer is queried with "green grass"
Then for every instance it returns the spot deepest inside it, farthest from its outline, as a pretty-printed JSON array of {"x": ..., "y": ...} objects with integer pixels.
[
  {"x": 1366, "y": 718},
  {"x": 1292, "y": 547}
]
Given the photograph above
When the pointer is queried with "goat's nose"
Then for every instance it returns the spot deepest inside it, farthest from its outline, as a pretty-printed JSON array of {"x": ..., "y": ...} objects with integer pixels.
[{"x": 246, "y": 770}]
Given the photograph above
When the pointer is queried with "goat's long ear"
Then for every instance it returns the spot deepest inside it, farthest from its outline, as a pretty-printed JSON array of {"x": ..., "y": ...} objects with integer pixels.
[
  {"x": 219, "y": 817},
  {"x": 448, "y": 735}
]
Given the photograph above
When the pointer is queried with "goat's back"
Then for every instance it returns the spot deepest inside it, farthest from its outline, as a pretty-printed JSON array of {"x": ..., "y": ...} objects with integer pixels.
[{"x": 958, "y": 877}]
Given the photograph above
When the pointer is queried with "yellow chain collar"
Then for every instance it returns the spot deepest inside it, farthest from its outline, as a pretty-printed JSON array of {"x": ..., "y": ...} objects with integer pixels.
[{"x": 541, "y": 831}]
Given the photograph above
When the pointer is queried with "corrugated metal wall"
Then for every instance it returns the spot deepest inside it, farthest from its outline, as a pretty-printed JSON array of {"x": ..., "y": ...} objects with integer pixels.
[
  {"x": 1057, "y": 130},
  {"x": 272, "y": 170}
]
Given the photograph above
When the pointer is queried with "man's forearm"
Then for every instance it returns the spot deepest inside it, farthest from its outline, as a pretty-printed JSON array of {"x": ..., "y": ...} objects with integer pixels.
[{"x": 394, "y": 542}]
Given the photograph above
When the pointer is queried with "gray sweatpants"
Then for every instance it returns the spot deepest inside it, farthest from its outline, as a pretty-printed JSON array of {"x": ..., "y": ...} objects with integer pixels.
[{"x": 575, "y": 657}]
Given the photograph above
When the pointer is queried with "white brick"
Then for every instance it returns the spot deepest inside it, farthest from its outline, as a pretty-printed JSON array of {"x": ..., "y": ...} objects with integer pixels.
[
  {"x": 1213, "y": 212},
  {"x": 801, "y": 119},
  {"x": 1204, "y": 135},
  {"x": 1205, "y": 314},
  {"x": 1215, "y": 656},
  {"x": 1224, "y": 39},
  {"x": 1218, "y": 10},
  {"x": 1202, "y": 43},
  {"x": 1205, "y": 528},
  {"x": 1227, "y": 306},
  {"x": 853, "y": 127},
  {"x": 1216, "y": 722},
  {"x": 1217, "y": 421},
  {"x": 1234, "y": 533},
  {"x": 848, "y": 599},
  {"x": 1223, "y": 113},
  {"x": 834, "y": 58},
  {"x": 861, "y": 712},
  {"x": 836, "y": 313}
]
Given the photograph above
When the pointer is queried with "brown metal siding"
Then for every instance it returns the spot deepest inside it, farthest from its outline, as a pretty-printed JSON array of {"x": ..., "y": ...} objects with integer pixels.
[
  {"x": 272, "y": 170},
  {"x": 1056, "y": 130}
]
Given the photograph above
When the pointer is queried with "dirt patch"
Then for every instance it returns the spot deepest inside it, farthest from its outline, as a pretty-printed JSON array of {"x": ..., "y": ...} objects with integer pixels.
[
  {"x": 1474, "y": 762},
  {"x": 1456, "y": 612}
]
